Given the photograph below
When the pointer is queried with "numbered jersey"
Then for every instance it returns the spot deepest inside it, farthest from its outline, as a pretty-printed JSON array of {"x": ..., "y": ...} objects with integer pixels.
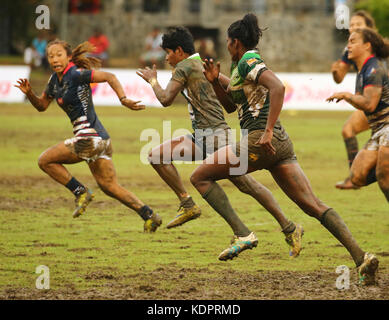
[
  {"x": 205, "y": 109},
  {"x": 251, "y": 99}
]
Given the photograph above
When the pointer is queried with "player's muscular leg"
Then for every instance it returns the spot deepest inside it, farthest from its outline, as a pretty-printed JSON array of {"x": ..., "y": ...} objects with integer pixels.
[
  {"x": 247, "y": 184},
  {"x": 51, "y": 160},
  {"x": 363, "y": 163},
  {"x": 104, "y": 173},
  {"x": 292, "y": 180},
  {"x": 161, "y": 157},
  {"x": 355, "y": 124},
  {"x": 294, "y": 183},
  {"x": 383, "y": 170}
]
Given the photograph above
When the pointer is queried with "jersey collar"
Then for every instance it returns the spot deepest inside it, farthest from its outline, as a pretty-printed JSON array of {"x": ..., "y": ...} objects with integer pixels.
[
  {"x": 70, "y": 64},
  {"x": 195, "y": 56},
  {"x": 367, "y": 59}
]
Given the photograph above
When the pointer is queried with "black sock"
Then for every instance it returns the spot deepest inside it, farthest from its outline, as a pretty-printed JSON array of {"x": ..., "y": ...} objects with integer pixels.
[
  {"x": 145, "y": 212},
  {"x": 187, "y": 203},
  {"x": 371, "y": 177},
  {"x": 289, "y": 228},
  {"x": 76, "y": 187},
  {"x": 352, "y": 149},
  {"x": 335, "y": 224}
]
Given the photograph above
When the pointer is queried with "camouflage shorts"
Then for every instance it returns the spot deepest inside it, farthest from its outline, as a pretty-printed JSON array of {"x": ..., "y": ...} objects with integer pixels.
[
  {"x": 257, "y": 157},
  {"x": 208, "y": 141},
  {"x": 90, "y": 149},
  {"x": 378, "y": 139}
]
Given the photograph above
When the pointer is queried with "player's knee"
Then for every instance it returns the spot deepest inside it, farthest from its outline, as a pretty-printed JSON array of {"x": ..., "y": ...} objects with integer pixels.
[
  {"x": 347, "y": 131},
  {"x": 42, "y": 162}
]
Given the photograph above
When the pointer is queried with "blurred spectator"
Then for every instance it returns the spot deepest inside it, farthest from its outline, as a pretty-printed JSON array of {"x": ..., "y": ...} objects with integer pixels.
[
  {"x": 153, "y": 54},
  {"x": 101, "y": 43},
  {"x": 206, "y": 48},
  {"x": 84, "y": 6},
  {"x": 35, "y": 55}
]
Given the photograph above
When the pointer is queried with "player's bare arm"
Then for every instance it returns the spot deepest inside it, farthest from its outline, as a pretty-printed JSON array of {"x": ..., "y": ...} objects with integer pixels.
[
  {"x": 110, "y": 78},
  {"x": 40, "y": 103},
  {"x": 212, "y": 74},
  {"x": 276, "y": 96},
  {"x": 366, "y": 102},
  {"x": 165, "y": 96},
  {"x": 339, "y": 70}
]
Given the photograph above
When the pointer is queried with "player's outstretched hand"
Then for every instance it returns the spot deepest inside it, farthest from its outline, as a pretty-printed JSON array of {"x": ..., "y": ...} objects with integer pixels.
[
  {"x": 133, "y": 105},
  {"x": 147, "y": 74},
  {"x": 265, "y": 142},
  {"x": 211, "y": 71},
  {"x": 339, "y": 96},
  {"x": 24, "y": 85}
]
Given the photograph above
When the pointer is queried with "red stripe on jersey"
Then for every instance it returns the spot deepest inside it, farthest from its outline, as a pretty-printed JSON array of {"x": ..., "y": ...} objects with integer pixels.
[{"x": 70, "y": 64}]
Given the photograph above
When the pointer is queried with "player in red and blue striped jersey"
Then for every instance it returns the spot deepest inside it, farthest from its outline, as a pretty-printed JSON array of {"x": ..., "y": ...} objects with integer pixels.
[{"x": 70, "y": 86}]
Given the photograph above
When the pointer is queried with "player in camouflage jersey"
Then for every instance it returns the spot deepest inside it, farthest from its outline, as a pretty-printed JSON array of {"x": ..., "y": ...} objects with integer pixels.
[
  {"x": 211, "y": 132},
  {"x": 258, "y": 96},
  {"x": 70, "y": 86},
  {"x": 371, "y": 96}
]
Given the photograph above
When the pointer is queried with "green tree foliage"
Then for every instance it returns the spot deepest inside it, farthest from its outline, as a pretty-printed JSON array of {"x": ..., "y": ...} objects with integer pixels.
[{"x": 379, "y": 9}]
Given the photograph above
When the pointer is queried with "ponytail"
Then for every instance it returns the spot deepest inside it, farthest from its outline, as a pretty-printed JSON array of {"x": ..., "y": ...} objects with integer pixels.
[
  {"x": 79, "y": 54},
  {"x": 246, "y": 30},
  {"x": 379, "y": 45}
]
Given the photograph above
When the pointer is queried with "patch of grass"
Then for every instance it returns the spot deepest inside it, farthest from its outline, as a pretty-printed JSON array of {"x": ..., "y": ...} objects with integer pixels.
[{"x": 106, "y": 254}]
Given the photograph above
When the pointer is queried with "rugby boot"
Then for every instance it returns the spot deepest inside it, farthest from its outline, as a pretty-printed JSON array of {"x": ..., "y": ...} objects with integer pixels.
[
  {"x": 368, "y": 269},
  {"x": 82, "y": 202},
  {"x": 238, "y": 245},
  {"x": 294, "y": 240},
  {"x": 152, "y": 224},
  {"x": 185, "y": 215}
]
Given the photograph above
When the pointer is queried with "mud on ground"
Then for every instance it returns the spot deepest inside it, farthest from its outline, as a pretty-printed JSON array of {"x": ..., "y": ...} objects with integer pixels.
[{"x": 201, "y": 284}]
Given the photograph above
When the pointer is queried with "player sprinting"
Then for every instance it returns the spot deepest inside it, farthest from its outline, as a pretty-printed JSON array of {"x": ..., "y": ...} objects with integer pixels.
[
  {"x": 357, "y": 122},
  {"x": 366, "y": 47},
  {"x": 257, "y": 94},
  {"x": 211, "y": 132},
  {"x": 70, "y": 86}
]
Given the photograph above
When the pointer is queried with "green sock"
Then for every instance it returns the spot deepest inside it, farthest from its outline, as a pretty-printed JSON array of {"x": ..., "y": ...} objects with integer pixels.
[
  {"x": 335, "y": 224},
  {"x": 218, "y": 200}
]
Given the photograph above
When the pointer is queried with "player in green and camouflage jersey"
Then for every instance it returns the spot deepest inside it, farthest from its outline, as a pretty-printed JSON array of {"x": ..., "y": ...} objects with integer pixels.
[
  {"x": 211, "y": 132},
  {"x": 258, "y": 96}
]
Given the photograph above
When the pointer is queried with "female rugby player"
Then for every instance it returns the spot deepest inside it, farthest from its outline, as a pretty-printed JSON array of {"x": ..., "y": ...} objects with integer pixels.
[
  {"x": 257, "y": 94},
  {"x": 357, "y": 122},
  {"x": 70, "y": 86},
  {"x": 371, "y": 96},
  {"x": 211, "y": 132}
]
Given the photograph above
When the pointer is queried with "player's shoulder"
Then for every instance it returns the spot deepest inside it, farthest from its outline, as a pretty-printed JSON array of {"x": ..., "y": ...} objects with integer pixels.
[
  {"x": 189, "y": 65},
  {"x": 249, "y": 60},
  {"x": 373, "y": 66}
]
